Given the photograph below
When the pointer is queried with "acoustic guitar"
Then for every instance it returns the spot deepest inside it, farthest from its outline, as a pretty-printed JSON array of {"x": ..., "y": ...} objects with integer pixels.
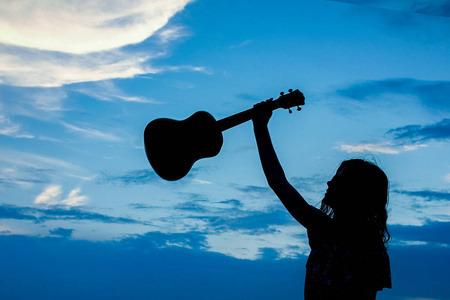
[{"x": 173, "y": 146}]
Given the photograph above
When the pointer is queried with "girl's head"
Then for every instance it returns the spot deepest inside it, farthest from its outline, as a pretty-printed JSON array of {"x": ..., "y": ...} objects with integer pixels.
[{"x": 359, "y": 193}]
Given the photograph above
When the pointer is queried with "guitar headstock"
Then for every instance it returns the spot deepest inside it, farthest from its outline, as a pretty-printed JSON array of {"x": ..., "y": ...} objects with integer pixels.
[{"x": 291, "y": 99}]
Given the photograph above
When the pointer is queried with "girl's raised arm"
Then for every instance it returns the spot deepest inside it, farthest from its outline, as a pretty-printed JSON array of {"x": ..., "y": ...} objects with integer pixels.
[{"x": 307, "y": 215}]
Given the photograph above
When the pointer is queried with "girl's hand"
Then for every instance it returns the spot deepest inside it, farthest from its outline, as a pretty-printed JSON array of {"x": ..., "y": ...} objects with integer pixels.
[{"x": 261, "y": 114}]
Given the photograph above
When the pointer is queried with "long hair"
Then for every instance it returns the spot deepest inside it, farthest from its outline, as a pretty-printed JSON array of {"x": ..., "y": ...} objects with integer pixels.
[{"x": 363, "y": 194}]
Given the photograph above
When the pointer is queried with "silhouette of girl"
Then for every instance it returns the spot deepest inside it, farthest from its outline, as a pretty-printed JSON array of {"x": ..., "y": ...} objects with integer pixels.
[{"x": 347, "y": 235}]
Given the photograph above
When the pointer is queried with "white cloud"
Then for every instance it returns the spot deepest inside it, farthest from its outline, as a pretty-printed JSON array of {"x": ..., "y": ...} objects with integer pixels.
[
  {"x": 385, "y": 148},
  {"x": 80, "y": 27},
  {"x": 199, "y": 181},
  {"x": 368, "y": 148},
  {"x": 31, "y": 67},
  {"x": 50, "y": 195},
  {"x": 74, "y": 198},
  {"x": 54, "y": 43},
  {"x": 135, "y": 99}
]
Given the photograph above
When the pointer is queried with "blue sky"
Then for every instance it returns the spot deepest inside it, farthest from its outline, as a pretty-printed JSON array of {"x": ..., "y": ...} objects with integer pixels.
[{"x": 82, "y": 213}]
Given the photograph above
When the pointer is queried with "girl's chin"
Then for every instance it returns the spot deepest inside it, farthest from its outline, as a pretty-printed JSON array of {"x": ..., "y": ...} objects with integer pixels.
[{"x": 328, "y": 200}]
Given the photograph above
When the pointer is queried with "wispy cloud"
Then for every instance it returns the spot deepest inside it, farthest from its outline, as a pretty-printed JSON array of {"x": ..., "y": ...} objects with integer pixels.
[
  {"x": 62, "y": 232},
  {"x": 233, "y": 227},
  {"x": 311, "y": 183},
  {"x": 254, "y": 190},
  {"x": 9, "y": 127},
  {"x": 430, "y": 232},
  {"x": 384, "y": 148},
  {"x": 252, "y": 222},
  {"x": 159, "y": 240},
  {"x": 417, "y": 207},
  {"x": 91, "y": 133},
  {"x": 75, "y": 41},
  {"x": 44, "y": 104},
  {"x": 56, "y": 213},
  {"x": 199, "y": 181},
  {"x": 143, "y": 176},
  {"x": 432, "y": 7},
  {"x": 447, "y": 177},
  {"x": 107, "y": 91},
  {"x": 198, "y": 212},
  {"x": 12, "y": 177},
  {"x": 187, "y": 68},
  {"x": 415, "y": 134},
  {"x": 241, "y": 44},
  {"x": 432, "y": 94},
  {"x": 33, "y": 68},
  {"x": 62, "y": 213},
  {"x": 171, "y": 33},
  {"x": 17, "y": 213},
  {"x": 233, "y": 203},
  {"x": 12, "y": 129},
  {"x": 405, "y": 138},
  {"x": 284, "y": 242},
  {"x": 48, "y": 100},
  {"x": 429, "y": 94},
  {"x": 246, "y": 96},
  {"x": 427, "y": 194},
  {"x": 25, "y": 169}
]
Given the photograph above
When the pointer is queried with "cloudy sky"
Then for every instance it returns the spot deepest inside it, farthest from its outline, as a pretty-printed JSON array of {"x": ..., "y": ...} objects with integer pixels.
[{"x": 82, "y": 213}]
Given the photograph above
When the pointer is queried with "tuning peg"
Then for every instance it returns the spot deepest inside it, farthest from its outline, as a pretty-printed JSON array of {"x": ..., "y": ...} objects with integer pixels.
[
  {"x": 299, "y": 108},
  {"x": 290, "y": 90},
  {"x": 281, "y": 93},
  {"x": 290, "y": 111}
]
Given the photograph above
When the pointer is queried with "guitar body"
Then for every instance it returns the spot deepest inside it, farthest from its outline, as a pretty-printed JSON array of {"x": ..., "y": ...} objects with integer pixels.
[{"x": 173, "y": 146}]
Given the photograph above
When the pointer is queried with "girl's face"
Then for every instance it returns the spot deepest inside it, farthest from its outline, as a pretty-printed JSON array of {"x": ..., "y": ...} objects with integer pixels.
[{"x": 337, "y": 189}]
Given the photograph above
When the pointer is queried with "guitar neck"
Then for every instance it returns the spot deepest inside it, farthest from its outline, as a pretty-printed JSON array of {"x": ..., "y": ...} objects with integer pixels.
[
  {"x": 239, "y": 118},
  {"x": 294, "y": 98}
]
